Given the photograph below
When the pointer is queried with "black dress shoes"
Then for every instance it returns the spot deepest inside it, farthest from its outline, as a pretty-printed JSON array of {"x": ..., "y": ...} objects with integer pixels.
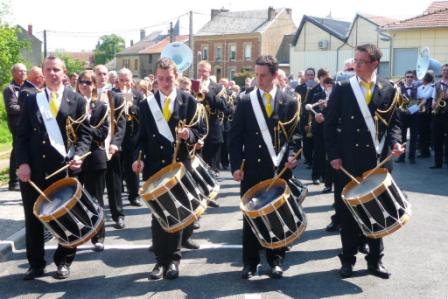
[
  {"x": 346, "y": 271},
  {"x": 119, "y": 224},
  {"x": 135, "y": 202},
  {"x": 63, "y": 272},
  {"x": 213, "y": 204},
  {"x": 34, "y": 273},
  {"x": 332, "y": 227},
  {"x": 276, "y": 272},
  {"x": 248, "y": 272},
  {"x": 172, "y": 271},
  {"x": 156, "y": 273},
  {"x": 316, "y": 182},
  {"x": 379, "y": 270},
  {"x": 190, "y": 245},
  {"x": 364, "y": 248},
  {"x": 326, "y": 190},
  {"x": 196, "y": 225}
]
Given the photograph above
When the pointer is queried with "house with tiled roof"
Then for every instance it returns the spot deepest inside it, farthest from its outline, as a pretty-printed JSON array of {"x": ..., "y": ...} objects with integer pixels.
[
  {"x": 327, "y": 43},
  {"x": 409, "y": 36},
  {"x": 140, "y": 58},
  {"x": 33, "y": 53},
  {"x": 232, "y": 40}
]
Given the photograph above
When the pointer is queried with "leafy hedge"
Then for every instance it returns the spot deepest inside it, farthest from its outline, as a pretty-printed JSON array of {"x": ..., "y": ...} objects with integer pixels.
[{"x": 5, "y": 135}]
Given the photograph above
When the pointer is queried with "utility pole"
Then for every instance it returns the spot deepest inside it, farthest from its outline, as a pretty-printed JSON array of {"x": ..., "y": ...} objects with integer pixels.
[
  {"x": 190, "y": 44},
  {"x": 45, "y": 43},
  {"x": 171, "y": 32}
]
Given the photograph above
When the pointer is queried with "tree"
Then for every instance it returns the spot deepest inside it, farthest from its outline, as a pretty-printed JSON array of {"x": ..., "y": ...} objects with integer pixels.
[
  {"x": 10, "y": 54},
  {"x": 73, "y": 65},
  {"x": 107, "y": 47}
]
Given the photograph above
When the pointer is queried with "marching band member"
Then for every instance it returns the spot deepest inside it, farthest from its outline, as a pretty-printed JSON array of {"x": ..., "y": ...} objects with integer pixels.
[
  {"x": 93, "y": 175},
  {"x": 132, "y": 99},
  {"x": 249, "y": 142},
  {"x": 425, "y": 93},
  {"x": 353, "y": 106},
  {"x": 43, "y": 147},
  {"x": 112, "y": 143},
  {"x": 440, "y": 119},
  {"x": 158, "y": 148}
]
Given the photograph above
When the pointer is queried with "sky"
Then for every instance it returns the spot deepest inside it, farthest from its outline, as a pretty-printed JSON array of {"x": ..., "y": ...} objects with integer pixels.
[{"x": 77, "y": 25}]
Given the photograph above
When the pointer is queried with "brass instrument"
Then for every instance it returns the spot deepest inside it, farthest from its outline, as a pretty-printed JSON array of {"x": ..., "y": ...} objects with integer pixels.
[
  {"x": 441, "y": 102},
  {"x": 404, "y": 103},
  {"x": 421, "y": 106}
]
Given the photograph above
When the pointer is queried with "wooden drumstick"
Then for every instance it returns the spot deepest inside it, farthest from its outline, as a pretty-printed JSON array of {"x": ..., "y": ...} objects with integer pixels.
[
  {"x": 39, "y": 190},
  {"x": 66, "y": 166},
  {"x": 242, "y": 165},
  {"x": 350, "y": 176},
  {"x": 283, "y": 170},
  {"x": 387, "y": 159}
]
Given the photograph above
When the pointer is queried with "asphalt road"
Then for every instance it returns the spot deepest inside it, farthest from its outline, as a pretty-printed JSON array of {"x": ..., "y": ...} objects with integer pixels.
[{"x": 416, "y": 255}]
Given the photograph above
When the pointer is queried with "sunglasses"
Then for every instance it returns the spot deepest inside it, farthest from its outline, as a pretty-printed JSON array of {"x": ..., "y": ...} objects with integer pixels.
[
  {"x": 85, "y": 82},
  {"x": 410, "y": 77}
]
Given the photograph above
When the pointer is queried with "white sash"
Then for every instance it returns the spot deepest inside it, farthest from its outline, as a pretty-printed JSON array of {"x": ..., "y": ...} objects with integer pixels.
[
  {"x": 366, "y": 114},
  {"x": 276, "y": 159},
  {"x": 107, "y": 141},
  {"x": 51, "y": 125},
  {"x": 162, "y": 125}
]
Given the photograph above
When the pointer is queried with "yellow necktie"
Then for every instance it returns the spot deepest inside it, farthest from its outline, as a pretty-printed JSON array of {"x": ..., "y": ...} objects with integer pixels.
[
  {"x": 53, "y": 104},
  {"x": 368, "y": 95},
  {"x": 166, "y": 109},
  {"x": 268, "y": 98}
]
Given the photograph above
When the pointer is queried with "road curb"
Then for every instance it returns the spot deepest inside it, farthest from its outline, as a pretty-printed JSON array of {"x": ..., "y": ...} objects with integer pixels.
[{"x": 13, "y": 242}]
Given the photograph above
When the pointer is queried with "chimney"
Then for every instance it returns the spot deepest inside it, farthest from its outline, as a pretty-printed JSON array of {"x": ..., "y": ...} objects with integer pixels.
[
  {"x": 271, "y": 13},
  {"x": 142, "y": 34},
  {"x": 132, "y": 42},
  {"x": 214, "y": 13},
  {"x": 30, "y": 29}
]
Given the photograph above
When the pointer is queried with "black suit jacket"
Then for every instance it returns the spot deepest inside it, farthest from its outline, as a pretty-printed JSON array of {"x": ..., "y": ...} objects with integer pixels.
[
  {"x": 354, "y": 144},
  {"x": 33, "y": 144},
  {"x": 132, "y": 121},
  {"x": 26, "y": 90},
  {"x": 217, "y": 105},
  {"x": 11, "y": 98},
  {"x": 246, "y": 141},
  {"x": 158, "y": 151},
  {"x": 97, "y": 159}
]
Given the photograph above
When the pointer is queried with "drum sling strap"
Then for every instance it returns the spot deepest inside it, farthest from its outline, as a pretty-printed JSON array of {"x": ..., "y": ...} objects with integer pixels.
[{"x": 162, "y": 125}]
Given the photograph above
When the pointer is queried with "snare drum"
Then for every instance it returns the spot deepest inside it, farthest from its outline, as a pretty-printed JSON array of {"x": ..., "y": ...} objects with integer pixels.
[
  {"x": 377, "y": 204},
  {"x": 203, "y": 177},
  {"x": 71, "y": 215},
  {"x": 275, "y": 216},
  {"x": 299, "y": 190},
  {"x": 172, "y": 195}
]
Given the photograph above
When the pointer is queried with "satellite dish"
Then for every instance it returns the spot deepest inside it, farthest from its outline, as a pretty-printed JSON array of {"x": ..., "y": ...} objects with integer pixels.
[
  {"x": 180, "y": 53},
  {"x": 426, "y": 63}
]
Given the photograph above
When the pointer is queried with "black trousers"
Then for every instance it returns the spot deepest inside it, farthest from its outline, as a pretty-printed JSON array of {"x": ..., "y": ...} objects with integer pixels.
[
  {"x": 409, "y": 121},
  {"x": 351, "y": 235},
  {"x": 94, "y": 181},
  {"x": 166, "y": 246},
  {"x": 130, "y": 177},
  {"x": 12, "y": 163},
  {"x": 424, "y": 132},
  {"x": 225, "y": 150},
  {"x": 440, "y": 137},
  {"x": 308, "y": 149},
  {"x": 114, "y": 186},
  {"x": 211, "y": 154},
  {"x": 34, "y": 230}
]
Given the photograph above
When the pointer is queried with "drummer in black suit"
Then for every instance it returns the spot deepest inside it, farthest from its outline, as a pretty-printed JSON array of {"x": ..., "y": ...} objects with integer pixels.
[
  {"x": 366, "y": 138},
  {"x": 132, "y": 98},
  {"x": 93, "y": 175},
  {"x": 39, "y": 153},
  {"x": 158, "y": 150},
  {"x": 248, "y": 142}
]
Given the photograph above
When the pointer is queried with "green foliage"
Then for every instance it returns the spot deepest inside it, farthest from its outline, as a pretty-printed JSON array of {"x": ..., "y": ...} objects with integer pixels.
[
  {"x": 108, "y": 46},
  {"x": 242, "y": 75},
  {"x": 10, "y": 54},
  {"x": 72, "y": 65},
  {"x": 5, "y": 135}
]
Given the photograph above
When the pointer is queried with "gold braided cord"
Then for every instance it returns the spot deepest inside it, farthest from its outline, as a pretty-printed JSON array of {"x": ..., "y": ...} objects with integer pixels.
[
  {"x": 102, "y": 120},
  {"x": 70, "y": 130}
]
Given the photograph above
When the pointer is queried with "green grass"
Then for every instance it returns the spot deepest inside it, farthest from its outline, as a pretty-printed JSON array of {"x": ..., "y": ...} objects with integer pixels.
[
  {"x": 4, "y": 176},
  {"x": 5, "y": 135}
]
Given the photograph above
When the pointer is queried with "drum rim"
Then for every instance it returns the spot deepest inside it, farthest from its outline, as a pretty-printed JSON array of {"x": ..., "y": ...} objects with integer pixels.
[
  {"x": 187, "y": 221},
  {"x": 62, "y": 210},
  {"x": 393, "y": 228},
  {"x": 156, "y": 193},
  {"x": 290, "y": 239},
  {"x": 365, "y": 198},
  {"x": 87, "y": 237},
  {"x": 268, "y": 209}
]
